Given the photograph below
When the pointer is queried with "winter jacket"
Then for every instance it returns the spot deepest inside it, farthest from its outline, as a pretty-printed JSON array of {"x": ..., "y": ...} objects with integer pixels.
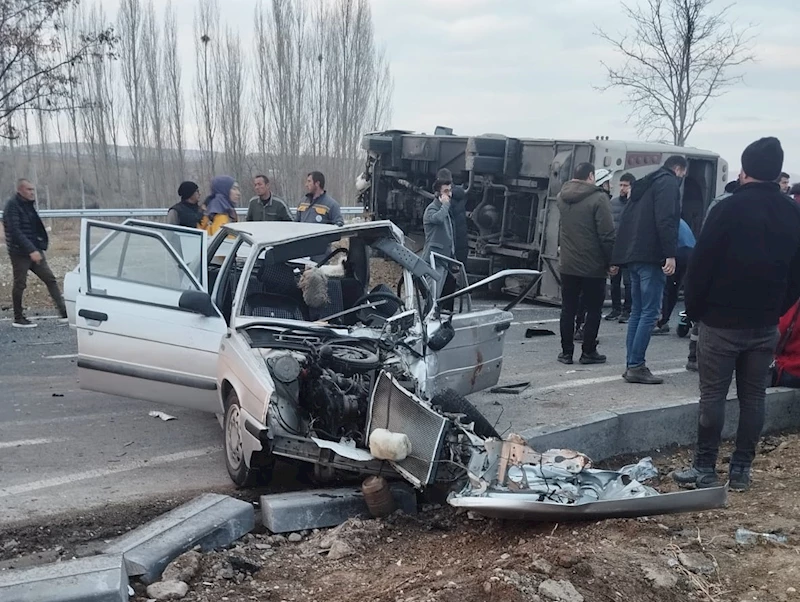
[
  {"x": 617, "y": 206},
  {"x": 787, "y": 357},
  {"x": 745, "y": 269},
  {"x": 322, "y": 210},
  {"x": 458, "y": 211},
  {"x": 586, "y": 231},
  {"x": 271, "y": 210},
  {"x": 648, "y": 227},
  {"x": 438, "y": 225},
  {"x": 25, "y": 232},
  {"x": 185, "y": 214}
]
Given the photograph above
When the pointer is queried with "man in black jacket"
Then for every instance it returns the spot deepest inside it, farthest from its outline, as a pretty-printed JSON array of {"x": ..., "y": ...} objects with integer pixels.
[
  {"x": 27, "y": 240},
  {"x": 646, "y": 244},
  {"x": 187, "y": 213},
  {"x": 743, "y": 276}
]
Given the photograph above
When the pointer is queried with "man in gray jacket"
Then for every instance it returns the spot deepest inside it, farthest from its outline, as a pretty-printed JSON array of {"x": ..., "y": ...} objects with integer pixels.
[
  {"x": 438, "y": 225},
  {"x": 586, "y": 239}
]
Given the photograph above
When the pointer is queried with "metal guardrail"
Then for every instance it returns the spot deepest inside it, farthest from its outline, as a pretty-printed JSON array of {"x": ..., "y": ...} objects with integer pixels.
[{"x": 144, "y": 212}]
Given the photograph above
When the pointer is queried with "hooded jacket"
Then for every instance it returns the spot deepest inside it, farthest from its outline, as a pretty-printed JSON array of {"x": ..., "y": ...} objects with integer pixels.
[
  {"x": 648, "y": 226},
  {"x": 586, "y": 231},
  {"x": 745, "y": 268}
]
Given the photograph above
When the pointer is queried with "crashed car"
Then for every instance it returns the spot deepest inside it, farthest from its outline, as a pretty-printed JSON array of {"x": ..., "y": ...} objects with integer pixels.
[{"x": 350, "y": 363}]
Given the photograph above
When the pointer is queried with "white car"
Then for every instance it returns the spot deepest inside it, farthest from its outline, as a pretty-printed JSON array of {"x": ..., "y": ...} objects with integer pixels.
[
  {"x": 345, "y": 375},
  {"x": 163, "y": 316}
]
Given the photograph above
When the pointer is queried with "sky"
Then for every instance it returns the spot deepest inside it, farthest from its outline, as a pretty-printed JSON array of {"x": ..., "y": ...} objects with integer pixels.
[{"x": 530, "y": 68}]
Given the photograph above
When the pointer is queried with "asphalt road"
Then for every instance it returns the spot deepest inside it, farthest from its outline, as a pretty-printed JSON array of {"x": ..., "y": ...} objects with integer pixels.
[{"x": 66, "y": 450}]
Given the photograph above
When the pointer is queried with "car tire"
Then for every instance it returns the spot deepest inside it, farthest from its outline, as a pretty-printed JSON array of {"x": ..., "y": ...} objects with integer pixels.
[
  {"x": 450, "y": 402},
  {"x": 242, "y": 475},
  {"x": 349, "y": 359}
]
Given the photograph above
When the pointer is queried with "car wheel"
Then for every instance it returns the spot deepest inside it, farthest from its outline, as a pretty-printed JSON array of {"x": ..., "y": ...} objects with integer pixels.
[
  {"x": 240, "y": 473},
  {"x": 349, "y": 359},
  {"x": 450, "y": 402}
]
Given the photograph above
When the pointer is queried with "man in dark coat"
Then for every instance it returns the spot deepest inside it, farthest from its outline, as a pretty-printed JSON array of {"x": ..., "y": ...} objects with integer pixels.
[
  {"x": 586, "y": 238},
  {"x": 646, "y": 244},
  {"x": 743, "y": 276},
  {"x": 621, "y": 310},
  {"x": 187, "y": 212},
  {"x": 27, "y": 241}
]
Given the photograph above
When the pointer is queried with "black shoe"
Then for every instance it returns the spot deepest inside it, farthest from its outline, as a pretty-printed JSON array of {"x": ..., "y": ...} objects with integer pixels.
[
  {"x": 701, "y": 478},
  {"x": 624, "y": 317},
  {"x": 641, "y": 375},
  {"x": 614, "y": 315},
  {"x": 565, "y": 358},
  {"x": 661, "y": 329},
  {"x": 739, "y": 478},
  {"x": 23, "y": 323},
  {"x": 592, "y": 358},
  {"x": 691, "y": 366}
]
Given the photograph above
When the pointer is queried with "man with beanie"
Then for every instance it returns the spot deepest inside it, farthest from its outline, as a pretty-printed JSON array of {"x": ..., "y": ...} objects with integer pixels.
[
  {"x": 27, "y": 241},
  {"x": 646, "y": 244},
  {"x": 187, "y": 212},
  {"x": 586, "y": 236},
  {"x": 743, "y": 276}
]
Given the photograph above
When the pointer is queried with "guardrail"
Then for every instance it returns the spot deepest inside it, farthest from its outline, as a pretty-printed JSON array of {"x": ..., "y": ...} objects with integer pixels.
[{"x": 144, "y": 212}]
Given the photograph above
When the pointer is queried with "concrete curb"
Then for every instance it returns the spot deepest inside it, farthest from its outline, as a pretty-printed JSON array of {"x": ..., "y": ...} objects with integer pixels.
[
  {"x": 92, "y": 579},
  {"x": 607, "y": 434},
  {"x": 211, "y": 521}
]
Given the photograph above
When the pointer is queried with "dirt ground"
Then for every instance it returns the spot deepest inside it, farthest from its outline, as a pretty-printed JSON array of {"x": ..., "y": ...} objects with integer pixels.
[{"x": 443, "y": 555}]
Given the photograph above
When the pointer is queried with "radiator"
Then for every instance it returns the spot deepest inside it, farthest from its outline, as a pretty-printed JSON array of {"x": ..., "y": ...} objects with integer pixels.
[{"x": 396, "y": 409}]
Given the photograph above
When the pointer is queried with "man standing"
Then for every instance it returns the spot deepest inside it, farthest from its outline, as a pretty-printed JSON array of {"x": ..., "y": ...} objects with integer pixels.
[
  {"x": 620, "y": 311},
  {"x": 439, "y": 230},
  {"x": 27, "y": 240},
  {"x": 586, "y": 239},
  {"x": 318, "y": 207},
  {"x": 744, "y": 275},
  {"x": 686, "y": 242},
  {"x": 646, "y": 244},
  {"x": 264, "y": 207},
  {"x": 186, "y": 213},
  {"x": 783, "y": 182}
]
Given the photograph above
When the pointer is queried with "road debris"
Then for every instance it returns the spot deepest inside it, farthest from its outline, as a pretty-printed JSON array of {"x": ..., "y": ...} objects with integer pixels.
[
  {"x": 164, "y": 416},
  {"x": 745, "y": 537},
  {"x": 514, "y": 389}
]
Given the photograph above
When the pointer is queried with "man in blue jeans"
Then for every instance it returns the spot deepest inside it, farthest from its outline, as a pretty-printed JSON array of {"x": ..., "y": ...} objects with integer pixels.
[{"x": 646, "y": 245}]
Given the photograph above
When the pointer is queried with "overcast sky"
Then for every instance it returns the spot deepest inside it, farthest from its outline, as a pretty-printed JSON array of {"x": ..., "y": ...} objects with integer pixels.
[{"x": 526, "y": 68}]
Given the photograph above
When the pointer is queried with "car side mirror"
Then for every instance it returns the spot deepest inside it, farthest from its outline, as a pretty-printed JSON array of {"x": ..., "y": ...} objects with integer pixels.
[
  {"x": 198, "y": 302},
  {"x": 443, "y": 335}
]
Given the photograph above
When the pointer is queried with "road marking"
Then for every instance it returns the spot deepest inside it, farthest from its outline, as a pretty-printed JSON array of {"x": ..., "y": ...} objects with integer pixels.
[
  {"x": 22, "y": 442},
  {"x": 104, "y": 472},
  {"x": 549, "y": 321},
  {"x": 585, "y": 382},
  {"x": 66, "y": 356},
  {"x": 33, "y": 318}
]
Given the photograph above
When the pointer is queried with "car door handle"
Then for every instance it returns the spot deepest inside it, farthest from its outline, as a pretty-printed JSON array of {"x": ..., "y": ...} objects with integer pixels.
[{"x": 93, "y": 315}]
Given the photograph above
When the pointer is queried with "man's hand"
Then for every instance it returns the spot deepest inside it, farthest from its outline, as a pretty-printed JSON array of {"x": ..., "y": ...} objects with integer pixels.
[
  {"x": 613, "y": 270},
  {"x": 36, "y": 257},
  {"x": 669, "y": 266}
]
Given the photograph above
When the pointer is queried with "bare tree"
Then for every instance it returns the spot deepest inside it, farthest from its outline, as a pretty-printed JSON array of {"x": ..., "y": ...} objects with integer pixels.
[
  {"x": 380, "y": 114},
  {"x": 32, "y": 66},
  {"x": 233, "y": 104},
  {"x": 206, "y": 34},
  {"x": 174, "y": 97},
  {"x": 131, "y": 56},
  {"x": 679, "y": 55},
  {"x": 155, "y": 96}
]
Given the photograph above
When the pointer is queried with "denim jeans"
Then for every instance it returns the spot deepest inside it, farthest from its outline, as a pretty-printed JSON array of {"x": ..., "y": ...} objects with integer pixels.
[
  {"x": 647, "y": 290},
  {"x": 721, "y": 352}
]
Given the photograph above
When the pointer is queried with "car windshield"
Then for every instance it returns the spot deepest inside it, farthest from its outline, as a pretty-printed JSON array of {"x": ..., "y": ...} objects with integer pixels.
[{"x": 286, "y": 284}]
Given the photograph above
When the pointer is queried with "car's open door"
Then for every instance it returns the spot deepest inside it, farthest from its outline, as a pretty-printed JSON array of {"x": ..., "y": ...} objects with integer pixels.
[
  {"x": 472, "y": 360},
  {"x": 143, "y": 328}
]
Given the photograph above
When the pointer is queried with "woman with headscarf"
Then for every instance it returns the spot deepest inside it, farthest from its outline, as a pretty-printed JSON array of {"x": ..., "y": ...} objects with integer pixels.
[{"x": 220, "y": 206}]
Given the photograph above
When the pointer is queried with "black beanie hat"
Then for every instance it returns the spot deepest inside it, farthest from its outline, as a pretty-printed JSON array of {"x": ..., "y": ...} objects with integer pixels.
[
  {"x": 443, "y": 176},
  {"x": 763, "y": 159},
  {"x": 187, "y": 189}
]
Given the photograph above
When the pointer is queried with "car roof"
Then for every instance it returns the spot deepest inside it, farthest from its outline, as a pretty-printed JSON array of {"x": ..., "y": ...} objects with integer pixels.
[{"x": 274, "y": 233}]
